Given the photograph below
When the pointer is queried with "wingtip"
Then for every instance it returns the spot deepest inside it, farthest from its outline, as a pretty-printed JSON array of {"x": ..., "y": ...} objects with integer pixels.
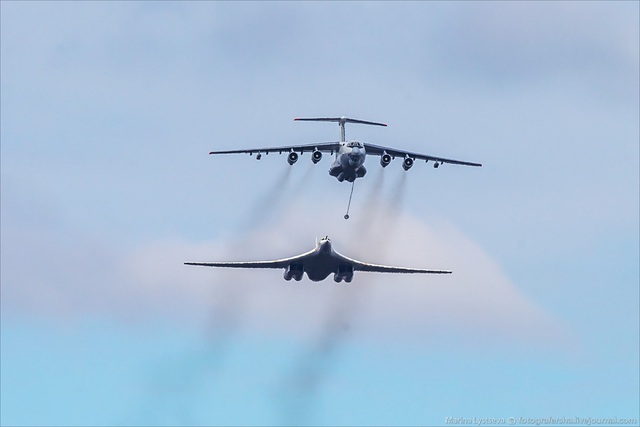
[{"x": 212, "y": 152}]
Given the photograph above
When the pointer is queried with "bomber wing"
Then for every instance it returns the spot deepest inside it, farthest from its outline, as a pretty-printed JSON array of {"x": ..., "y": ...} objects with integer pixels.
[
  {"x": 365, "y": 266},
  {"x": 326, "y": 147},
  {"x": 279, "y": 263},
  {"x": 378, "y": 150}
]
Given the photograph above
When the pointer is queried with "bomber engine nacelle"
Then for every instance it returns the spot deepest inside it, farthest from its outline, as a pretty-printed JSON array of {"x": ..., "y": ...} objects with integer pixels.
[
  {"x": 345, "y": 272},
  {"x": 407, "y": 163},
  {"x": 293, "y": 271},
  {"x": 385, "y": 159},
  {"x": 292, "y": 158},
  {"x": 316, "y": 156}
]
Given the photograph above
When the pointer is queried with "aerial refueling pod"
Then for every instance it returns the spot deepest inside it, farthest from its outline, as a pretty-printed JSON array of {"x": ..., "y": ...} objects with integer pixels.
[
  {"x": 385, "y": 159},
  {"x": 292, "y": 157},
  {"x": 407, "y": 163},
  {"x": 316, "y": 156}
]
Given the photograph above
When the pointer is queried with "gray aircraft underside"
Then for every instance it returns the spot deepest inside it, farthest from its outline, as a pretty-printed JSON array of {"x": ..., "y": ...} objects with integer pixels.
[
  {"x": 349, "y": 155},
  {"x": 319, "y": 263}
]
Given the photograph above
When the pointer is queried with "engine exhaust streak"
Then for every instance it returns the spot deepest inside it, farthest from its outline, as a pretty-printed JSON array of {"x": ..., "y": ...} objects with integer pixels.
[
  {"x": 371, "y": 211},
  {"x": 228, "y": 303},
  {"x": 301, "y": 386},
  {"x": 268, "y": 204},
  {"x": 303, "y": 383},
  {"x": 176, "y": 383}
]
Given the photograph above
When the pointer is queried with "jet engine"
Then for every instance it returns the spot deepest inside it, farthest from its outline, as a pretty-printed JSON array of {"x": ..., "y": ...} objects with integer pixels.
[
  {"x": 385, "y": 159},
  {"x": 292, "y": 158},
  {"x": 345, "y": 272},
  {"x": 316, "y": 156},
  {"x": 293, "y": 271},
  {"x": 407, "y": 163},
  {"x": 436, "y": 164}
]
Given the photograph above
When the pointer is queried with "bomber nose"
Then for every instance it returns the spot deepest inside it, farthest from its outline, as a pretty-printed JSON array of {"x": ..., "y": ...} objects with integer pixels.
[{"x": 325, "y": 246}]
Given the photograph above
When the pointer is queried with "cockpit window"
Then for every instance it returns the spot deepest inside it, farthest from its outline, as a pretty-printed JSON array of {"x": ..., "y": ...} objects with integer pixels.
[{"x": 354, "y": 144}]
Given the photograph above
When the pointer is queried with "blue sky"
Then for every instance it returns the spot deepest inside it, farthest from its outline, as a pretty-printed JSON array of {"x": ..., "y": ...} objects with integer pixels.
[{"x": 110, "y": 108}]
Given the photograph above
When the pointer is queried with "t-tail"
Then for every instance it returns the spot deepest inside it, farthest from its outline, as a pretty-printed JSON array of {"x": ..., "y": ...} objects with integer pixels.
[{"x": 341, "y": 122}]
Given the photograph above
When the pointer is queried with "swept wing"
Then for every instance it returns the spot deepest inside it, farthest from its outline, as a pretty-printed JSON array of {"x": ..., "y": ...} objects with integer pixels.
[
  {"x": 279, "y": 263},
  {"x": 365, "y": 266},
  {"x": 378, "y": 150},
  {"x": 326, "y": 147}
]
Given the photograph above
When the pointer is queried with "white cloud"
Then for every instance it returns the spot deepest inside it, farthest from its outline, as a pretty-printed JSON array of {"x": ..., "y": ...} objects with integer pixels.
[{"x": 76, "y": 277}]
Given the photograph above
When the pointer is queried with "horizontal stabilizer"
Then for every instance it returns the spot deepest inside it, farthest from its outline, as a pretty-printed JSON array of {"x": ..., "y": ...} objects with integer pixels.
[{"x": 340, "y": 120}]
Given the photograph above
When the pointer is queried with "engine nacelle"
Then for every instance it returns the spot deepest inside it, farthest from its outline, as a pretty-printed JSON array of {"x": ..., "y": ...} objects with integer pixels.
[
  {"x": 385, "y": 159},
  {"x": 436, "y": 165},
  {"x": 407, "y": 163},
  {"x": 316, "y": 156},
  {"x": 293, "y": 271},
  {"x": 292, "y": 158},
  {"x": 345, "y": 272}
]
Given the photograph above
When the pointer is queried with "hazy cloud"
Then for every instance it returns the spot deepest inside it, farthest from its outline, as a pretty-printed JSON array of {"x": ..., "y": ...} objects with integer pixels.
[{"x": 477, "y": 300}]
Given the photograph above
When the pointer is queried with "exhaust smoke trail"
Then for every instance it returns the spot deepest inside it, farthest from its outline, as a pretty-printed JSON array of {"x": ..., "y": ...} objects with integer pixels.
[
  {"x": 393, "y": 209},
  {"x": 267, "y": 204},
  {"x": 378, "y": 240},
  {"x": 302, "y": 183},
  {"x": 371, "y": 208},
  {"x": 176, "y": 384},
  {"x": 303, "y": 383},
  {"x": 381, "y": 214},
  {"x": 282, "y": 193}
]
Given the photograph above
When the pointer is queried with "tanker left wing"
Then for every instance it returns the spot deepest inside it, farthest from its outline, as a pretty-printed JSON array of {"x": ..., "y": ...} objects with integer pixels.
[{"x": 325, "y": 147}]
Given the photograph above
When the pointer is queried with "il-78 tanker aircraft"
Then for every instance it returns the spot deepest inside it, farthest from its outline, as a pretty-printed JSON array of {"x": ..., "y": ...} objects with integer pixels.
[
  {"x": 350, "y": 155},
  {"x": 319, "y": 263}
]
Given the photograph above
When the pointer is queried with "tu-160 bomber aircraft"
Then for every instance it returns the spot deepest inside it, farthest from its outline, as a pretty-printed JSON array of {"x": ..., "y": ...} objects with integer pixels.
[
  {"x": 349, "y": 155},
  {"x": 319, "y": 263}
]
